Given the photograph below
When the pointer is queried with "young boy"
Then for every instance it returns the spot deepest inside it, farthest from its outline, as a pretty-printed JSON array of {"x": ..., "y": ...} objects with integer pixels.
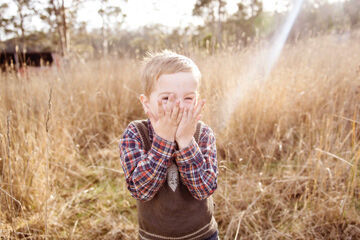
[{"x": 169, "y": 159}]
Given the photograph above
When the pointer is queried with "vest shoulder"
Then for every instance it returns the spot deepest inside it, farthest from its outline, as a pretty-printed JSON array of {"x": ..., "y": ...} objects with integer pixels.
[
  {"x": 133, "y": 129},
  {"x": 135, "y": 124},
  {"x": 141, "y": 127}
]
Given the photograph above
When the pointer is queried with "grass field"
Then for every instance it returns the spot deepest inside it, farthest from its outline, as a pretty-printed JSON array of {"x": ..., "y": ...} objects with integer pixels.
[{"x": 288, "y": 154}]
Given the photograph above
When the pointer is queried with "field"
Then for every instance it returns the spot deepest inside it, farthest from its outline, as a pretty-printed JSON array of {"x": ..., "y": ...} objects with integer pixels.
[{"x": 288, "y": 147}]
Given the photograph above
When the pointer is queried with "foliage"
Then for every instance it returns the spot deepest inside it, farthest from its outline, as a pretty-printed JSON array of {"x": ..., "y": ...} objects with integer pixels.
[{"x": 220, "y": 29}]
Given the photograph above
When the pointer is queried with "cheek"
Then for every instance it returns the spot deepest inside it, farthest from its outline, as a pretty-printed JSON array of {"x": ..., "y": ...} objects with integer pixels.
[{"x": 153, "y": 106}]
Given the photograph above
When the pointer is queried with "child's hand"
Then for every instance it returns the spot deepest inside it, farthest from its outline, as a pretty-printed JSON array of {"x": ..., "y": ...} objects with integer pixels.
[
  {"x": 187, "y": 125},
  {"x": 167, "y": 118}
]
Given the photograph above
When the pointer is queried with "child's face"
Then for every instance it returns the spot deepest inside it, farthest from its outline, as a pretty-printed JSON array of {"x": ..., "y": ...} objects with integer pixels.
[{"x": 182, "y": 84}]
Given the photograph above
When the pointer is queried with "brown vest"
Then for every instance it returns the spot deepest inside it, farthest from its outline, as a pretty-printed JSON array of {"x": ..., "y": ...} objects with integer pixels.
[{"x": 174, "y": 215}]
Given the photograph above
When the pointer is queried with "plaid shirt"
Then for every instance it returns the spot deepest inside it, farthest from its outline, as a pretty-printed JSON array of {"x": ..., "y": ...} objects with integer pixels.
[{"x": 145, "y": 172}]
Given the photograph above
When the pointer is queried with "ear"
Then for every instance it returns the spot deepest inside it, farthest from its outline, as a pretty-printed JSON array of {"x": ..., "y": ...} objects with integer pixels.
[{"x": 144, "y": 102}]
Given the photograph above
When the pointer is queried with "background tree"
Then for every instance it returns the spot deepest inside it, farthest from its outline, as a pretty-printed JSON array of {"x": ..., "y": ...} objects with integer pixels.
[
  {"x": 112, "y": 16},
  {"x": 246, "y": 22},
  {"x": 213, "y": 12},
  {"x": 61, "y": 20},
  {"x": 17, "y": 23},
  {"x": 25, "y": 11},
  {"x": 4, "y": 21},
  {"x": 352, "y": 10},
  {"x": 319, "y": 17},
  {"x": 63, "y": 32},
  {"x": 238, "y": 27}
]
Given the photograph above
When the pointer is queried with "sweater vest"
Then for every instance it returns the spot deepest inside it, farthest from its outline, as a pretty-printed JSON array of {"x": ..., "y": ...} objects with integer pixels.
[{"x": 174, "y": 215}]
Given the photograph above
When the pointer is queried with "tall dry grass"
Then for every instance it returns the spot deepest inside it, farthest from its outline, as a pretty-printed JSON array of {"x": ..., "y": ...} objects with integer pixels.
[{"x": 288, "y": 155}]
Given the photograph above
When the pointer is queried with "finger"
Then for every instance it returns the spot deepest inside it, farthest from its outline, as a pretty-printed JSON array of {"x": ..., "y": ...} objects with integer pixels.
[
  {"x": 167, "y": 107},
  {"x": 199, "y": 107},
  {"x": 170, "y": 103},
  {"x": 191, "y": 109},
  {"x": 180, "y": 115},
  {"x": 196, "y": 102},
  {"x": 161, "y": 111},
  {"x": 198, "y": 117},
  {"x": 175, "y": 111},
  {"x": 151, "y": 116},
  {"x": 186, "y": 112}
]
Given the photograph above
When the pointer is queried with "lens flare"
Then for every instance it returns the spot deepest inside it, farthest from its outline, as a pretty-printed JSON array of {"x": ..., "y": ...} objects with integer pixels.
[
  {"x": 280, "y": 38},
  {"x": 262, "y": 63}
]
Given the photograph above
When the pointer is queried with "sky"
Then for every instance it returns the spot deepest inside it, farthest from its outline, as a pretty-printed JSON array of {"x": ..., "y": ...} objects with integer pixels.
[{"x": 170, "y": 13}]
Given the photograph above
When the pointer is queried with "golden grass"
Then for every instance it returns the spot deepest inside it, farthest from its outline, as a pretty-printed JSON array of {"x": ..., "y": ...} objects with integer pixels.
[{"x": 288, "y": 155}]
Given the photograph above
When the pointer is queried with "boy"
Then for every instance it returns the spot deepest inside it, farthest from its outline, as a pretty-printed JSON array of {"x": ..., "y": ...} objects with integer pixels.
[{"x": 169, "y": 160}]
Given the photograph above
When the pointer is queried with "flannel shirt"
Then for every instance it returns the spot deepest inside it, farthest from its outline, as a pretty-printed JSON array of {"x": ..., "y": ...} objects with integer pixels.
[{"x": 145, "y": 172}]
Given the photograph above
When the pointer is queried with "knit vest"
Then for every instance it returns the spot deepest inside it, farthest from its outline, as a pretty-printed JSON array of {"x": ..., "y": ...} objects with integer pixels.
[{"x": 174, "y": 215}]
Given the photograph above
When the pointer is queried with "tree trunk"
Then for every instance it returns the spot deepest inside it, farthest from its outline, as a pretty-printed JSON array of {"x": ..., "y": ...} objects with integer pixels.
[
  {"x": 213, "y": 32},
  {"x": 20, "y": 52},
  {"x": 219, "y": 24},
  {"x": 64, "y": 28},
  {"x": 61, "y": 27}
]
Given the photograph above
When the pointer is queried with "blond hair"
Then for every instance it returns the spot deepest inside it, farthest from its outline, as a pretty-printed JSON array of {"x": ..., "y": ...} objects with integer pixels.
[{"x": 165, "y": 62}]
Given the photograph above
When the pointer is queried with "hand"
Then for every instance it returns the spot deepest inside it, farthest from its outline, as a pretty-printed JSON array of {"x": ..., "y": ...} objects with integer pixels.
[
  {"x": 167, "y": 118},
  {"x": 187, "y": 125}
]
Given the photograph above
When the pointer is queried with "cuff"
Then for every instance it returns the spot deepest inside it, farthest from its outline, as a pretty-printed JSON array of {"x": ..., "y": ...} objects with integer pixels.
[
  {"x": 188, "y": 153},
  {"x": 162, "y": 147}
]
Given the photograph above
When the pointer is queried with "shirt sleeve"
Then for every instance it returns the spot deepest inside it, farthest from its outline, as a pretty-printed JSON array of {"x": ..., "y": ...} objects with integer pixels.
[
  {"x": 198, "y": 165},
  {"x": 144, "y": 172}
]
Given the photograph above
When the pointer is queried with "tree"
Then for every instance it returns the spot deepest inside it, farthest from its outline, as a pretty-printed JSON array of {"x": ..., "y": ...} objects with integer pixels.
[
  {"x": 60, "y": 19},
  {"x": 26, "y": 10},
  {"x": 109, "y": 13},
  {"x": 238, "y": 27},
  {"x": 352, "y": 10},
  {"x": 16, "y": 24},
  {"x": 214, "y": 13},
  {"x": 244, "y": 23},
  {"x": 4, "y": 21},
  {"x": 320, "y": 17}
]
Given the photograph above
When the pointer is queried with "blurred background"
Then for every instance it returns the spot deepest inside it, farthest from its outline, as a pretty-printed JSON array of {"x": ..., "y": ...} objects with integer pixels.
[
  {"x": 281, "y": 81},
  {"x": 129, "y": 28}
]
